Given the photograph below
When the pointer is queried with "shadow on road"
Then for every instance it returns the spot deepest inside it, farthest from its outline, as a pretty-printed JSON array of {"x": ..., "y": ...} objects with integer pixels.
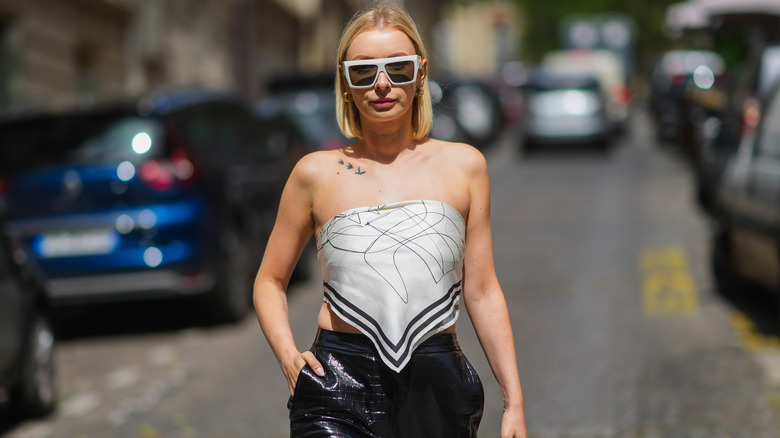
[
  {"x": 121, "y": 319},
  {"x": 73, "y": 324},
  {"x": 138, "y": 317},
  {"x": 566, "y": 150},
  {"x": 7, "y": 422},
  {"x": 760, "y": 305}
]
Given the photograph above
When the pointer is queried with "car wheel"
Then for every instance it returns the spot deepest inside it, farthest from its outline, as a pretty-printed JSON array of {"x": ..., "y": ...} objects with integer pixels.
[
  {"x": 527, "y": 146},
  {"x": 231, "y": 298},
  {"x": 722, "y": 271},
  {"x": 36, "y": 392},
  {"x": 703, "y": 197}
]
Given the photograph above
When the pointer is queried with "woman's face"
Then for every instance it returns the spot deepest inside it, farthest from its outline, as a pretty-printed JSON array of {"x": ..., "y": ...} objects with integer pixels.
[{"x": 384, "y": 101}]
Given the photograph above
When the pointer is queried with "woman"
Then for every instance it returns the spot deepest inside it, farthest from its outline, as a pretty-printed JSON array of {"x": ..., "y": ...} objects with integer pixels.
[{"x": 402, "y": 226}]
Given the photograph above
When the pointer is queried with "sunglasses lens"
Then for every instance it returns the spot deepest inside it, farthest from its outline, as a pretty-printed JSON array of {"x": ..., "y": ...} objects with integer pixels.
[
  {"x": 362, "y": 75},
  {"x": 400, "y": 72}
]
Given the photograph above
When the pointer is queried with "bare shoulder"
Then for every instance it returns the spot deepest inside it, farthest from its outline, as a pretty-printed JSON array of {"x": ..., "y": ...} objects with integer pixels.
[
  {"x": 311, "y": 161},
  {"x": 463, "y": 156},
  {"x": 308, "y": 170}
]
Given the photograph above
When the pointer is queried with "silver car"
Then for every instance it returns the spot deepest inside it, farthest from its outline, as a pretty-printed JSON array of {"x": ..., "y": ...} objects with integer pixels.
[{"x": 565, "y": 109}]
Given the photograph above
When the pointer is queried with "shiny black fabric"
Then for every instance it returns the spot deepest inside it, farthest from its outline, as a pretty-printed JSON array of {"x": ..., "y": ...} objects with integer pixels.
[{"x": 438, "y": 394}]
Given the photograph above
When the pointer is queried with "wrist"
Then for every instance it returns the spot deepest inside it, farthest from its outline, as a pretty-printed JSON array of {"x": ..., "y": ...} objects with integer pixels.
[
  {"x": 288, "y": 358},
  {"x": 513, "y": 401},
  {"x": 513, "y": 398},
  {"x": 513, "y": 406}
]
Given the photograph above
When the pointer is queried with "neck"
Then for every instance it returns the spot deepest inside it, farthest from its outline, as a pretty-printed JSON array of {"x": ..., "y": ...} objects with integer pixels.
[{"x": 385, "y": 145}]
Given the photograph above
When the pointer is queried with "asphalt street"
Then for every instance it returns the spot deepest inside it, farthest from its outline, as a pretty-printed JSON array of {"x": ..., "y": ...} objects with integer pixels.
[{"x": 604, "y": 260}]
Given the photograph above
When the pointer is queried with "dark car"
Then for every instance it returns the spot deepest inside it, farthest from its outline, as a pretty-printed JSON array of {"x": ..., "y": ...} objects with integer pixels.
[
  {"x": 27, "y": 341},
  {"x": 564, "y": 109},
  {"x": 465, "y": 111},
  {"x": 746, "y": 245},
  {"x": 302, "y": 111},
  {"x": 736, "y": 116},
  {"x": 306, "y": 117},
  {"x": 169, "y": 195},
  {"x": 683, "y": 84}
]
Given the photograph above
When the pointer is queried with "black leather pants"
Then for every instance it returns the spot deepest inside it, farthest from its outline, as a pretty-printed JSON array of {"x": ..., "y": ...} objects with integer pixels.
[{"x": 438, "y": 394}]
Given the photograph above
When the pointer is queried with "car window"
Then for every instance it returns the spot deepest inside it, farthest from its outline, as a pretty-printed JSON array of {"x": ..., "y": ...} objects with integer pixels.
[
  {"x": 128, "y": 138},
  {"x": 79, "y": 139},
  {"x": 317, "y": 126},
  {"x": 228, "y": 127},
  {"x": 221, "y": 130},
  {"x": 239, "y": 131},
  {"x": 769, "y": 69},
  {"x": 769, "y": 135},
  {"x": 196, "y": 130},
  {"x": 552, "y": 86}
]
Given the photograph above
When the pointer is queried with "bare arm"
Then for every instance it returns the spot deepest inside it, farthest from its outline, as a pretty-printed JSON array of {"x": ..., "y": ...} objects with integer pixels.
[
  {"x": 485, "y": 300},
  {"x": 293, "y": 228}
]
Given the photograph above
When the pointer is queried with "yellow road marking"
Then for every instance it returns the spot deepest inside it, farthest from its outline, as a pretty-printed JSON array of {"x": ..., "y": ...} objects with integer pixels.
[
  {"x": 667, "y": 284},
  {"x": 749, "y": 336}
]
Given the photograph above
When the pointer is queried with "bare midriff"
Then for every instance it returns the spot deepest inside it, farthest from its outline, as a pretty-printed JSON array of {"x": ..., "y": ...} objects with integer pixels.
[{"x": 328, "y": 320}]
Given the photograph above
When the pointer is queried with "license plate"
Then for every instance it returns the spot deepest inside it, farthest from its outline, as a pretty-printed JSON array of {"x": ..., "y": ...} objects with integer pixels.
[{"x": 76, "y": 243}]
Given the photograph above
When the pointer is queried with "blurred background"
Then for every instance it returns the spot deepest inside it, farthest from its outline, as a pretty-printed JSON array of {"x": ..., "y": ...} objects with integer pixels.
[{"x": 634, "y": 154}]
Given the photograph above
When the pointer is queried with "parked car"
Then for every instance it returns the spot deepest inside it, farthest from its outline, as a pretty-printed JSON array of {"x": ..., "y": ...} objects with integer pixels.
[
  {"x": 746, "y": 244},
  {"x": 27, "y": 341},
  {"x": 735, "y": 117},
  {"x": 607, "y": 68},
  {"x": 508, "y": 87},
  {"x": 684, "y": 89},
  {"x": 564, "y": 109},
  {"x": 307, "y": 118},
  {"x": 169, "y": 195},
  {"x": 446, "y": 125},
  {"x": 472, "y": 106},
  {"x": 302, "y": 112}
]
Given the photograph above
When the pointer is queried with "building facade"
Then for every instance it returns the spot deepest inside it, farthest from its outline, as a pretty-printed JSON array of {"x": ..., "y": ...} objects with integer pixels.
[{"x": 58, "y": 53}]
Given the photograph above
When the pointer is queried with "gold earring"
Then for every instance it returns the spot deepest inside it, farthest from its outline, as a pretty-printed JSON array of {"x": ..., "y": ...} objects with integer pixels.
[
  {"x": 419, "y": 92},
  {"x": 347, "y": 97}
]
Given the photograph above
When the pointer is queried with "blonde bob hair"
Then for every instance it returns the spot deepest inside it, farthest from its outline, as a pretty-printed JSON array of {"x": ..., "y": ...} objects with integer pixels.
[{"x": 381, "y": 15}]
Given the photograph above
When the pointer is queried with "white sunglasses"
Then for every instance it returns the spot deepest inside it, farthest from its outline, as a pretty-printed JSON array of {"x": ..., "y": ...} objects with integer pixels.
[{"x": 399, "y": 70}]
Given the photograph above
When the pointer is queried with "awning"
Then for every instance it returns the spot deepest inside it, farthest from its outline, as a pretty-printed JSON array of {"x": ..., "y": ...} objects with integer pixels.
[
  {"x": 740, "y": 7},
  {"x": 698, "y": 14}
]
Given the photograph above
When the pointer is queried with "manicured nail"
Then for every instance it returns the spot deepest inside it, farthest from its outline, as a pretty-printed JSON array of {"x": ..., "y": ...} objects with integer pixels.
[{"x": 320, "y": 372}]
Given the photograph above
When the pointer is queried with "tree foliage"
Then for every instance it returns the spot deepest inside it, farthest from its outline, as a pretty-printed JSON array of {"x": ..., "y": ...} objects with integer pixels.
[{"x": 543, "y": 17}]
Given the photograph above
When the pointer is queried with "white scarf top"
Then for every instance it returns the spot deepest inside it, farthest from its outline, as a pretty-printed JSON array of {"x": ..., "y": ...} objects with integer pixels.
[{"x": 394, "y": 272}]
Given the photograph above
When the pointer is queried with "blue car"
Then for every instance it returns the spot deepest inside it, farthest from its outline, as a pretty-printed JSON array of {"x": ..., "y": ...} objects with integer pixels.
[{"x": 169, "y": 195}]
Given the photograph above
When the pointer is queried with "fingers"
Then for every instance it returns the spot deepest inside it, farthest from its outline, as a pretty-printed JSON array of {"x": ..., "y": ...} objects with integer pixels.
[
  {"x": 303, "y": 359},
  {"x": 513, "y": 424},
  {"x": 313, "y": 363}
]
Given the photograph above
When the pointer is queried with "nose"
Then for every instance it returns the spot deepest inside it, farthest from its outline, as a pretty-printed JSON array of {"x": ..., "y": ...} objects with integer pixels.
[{"x": 382, "y": 81}]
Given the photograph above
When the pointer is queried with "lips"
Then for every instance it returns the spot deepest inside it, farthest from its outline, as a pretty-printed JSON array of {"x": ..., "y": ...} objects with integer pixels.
[{"x": 384, "y": 102}]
